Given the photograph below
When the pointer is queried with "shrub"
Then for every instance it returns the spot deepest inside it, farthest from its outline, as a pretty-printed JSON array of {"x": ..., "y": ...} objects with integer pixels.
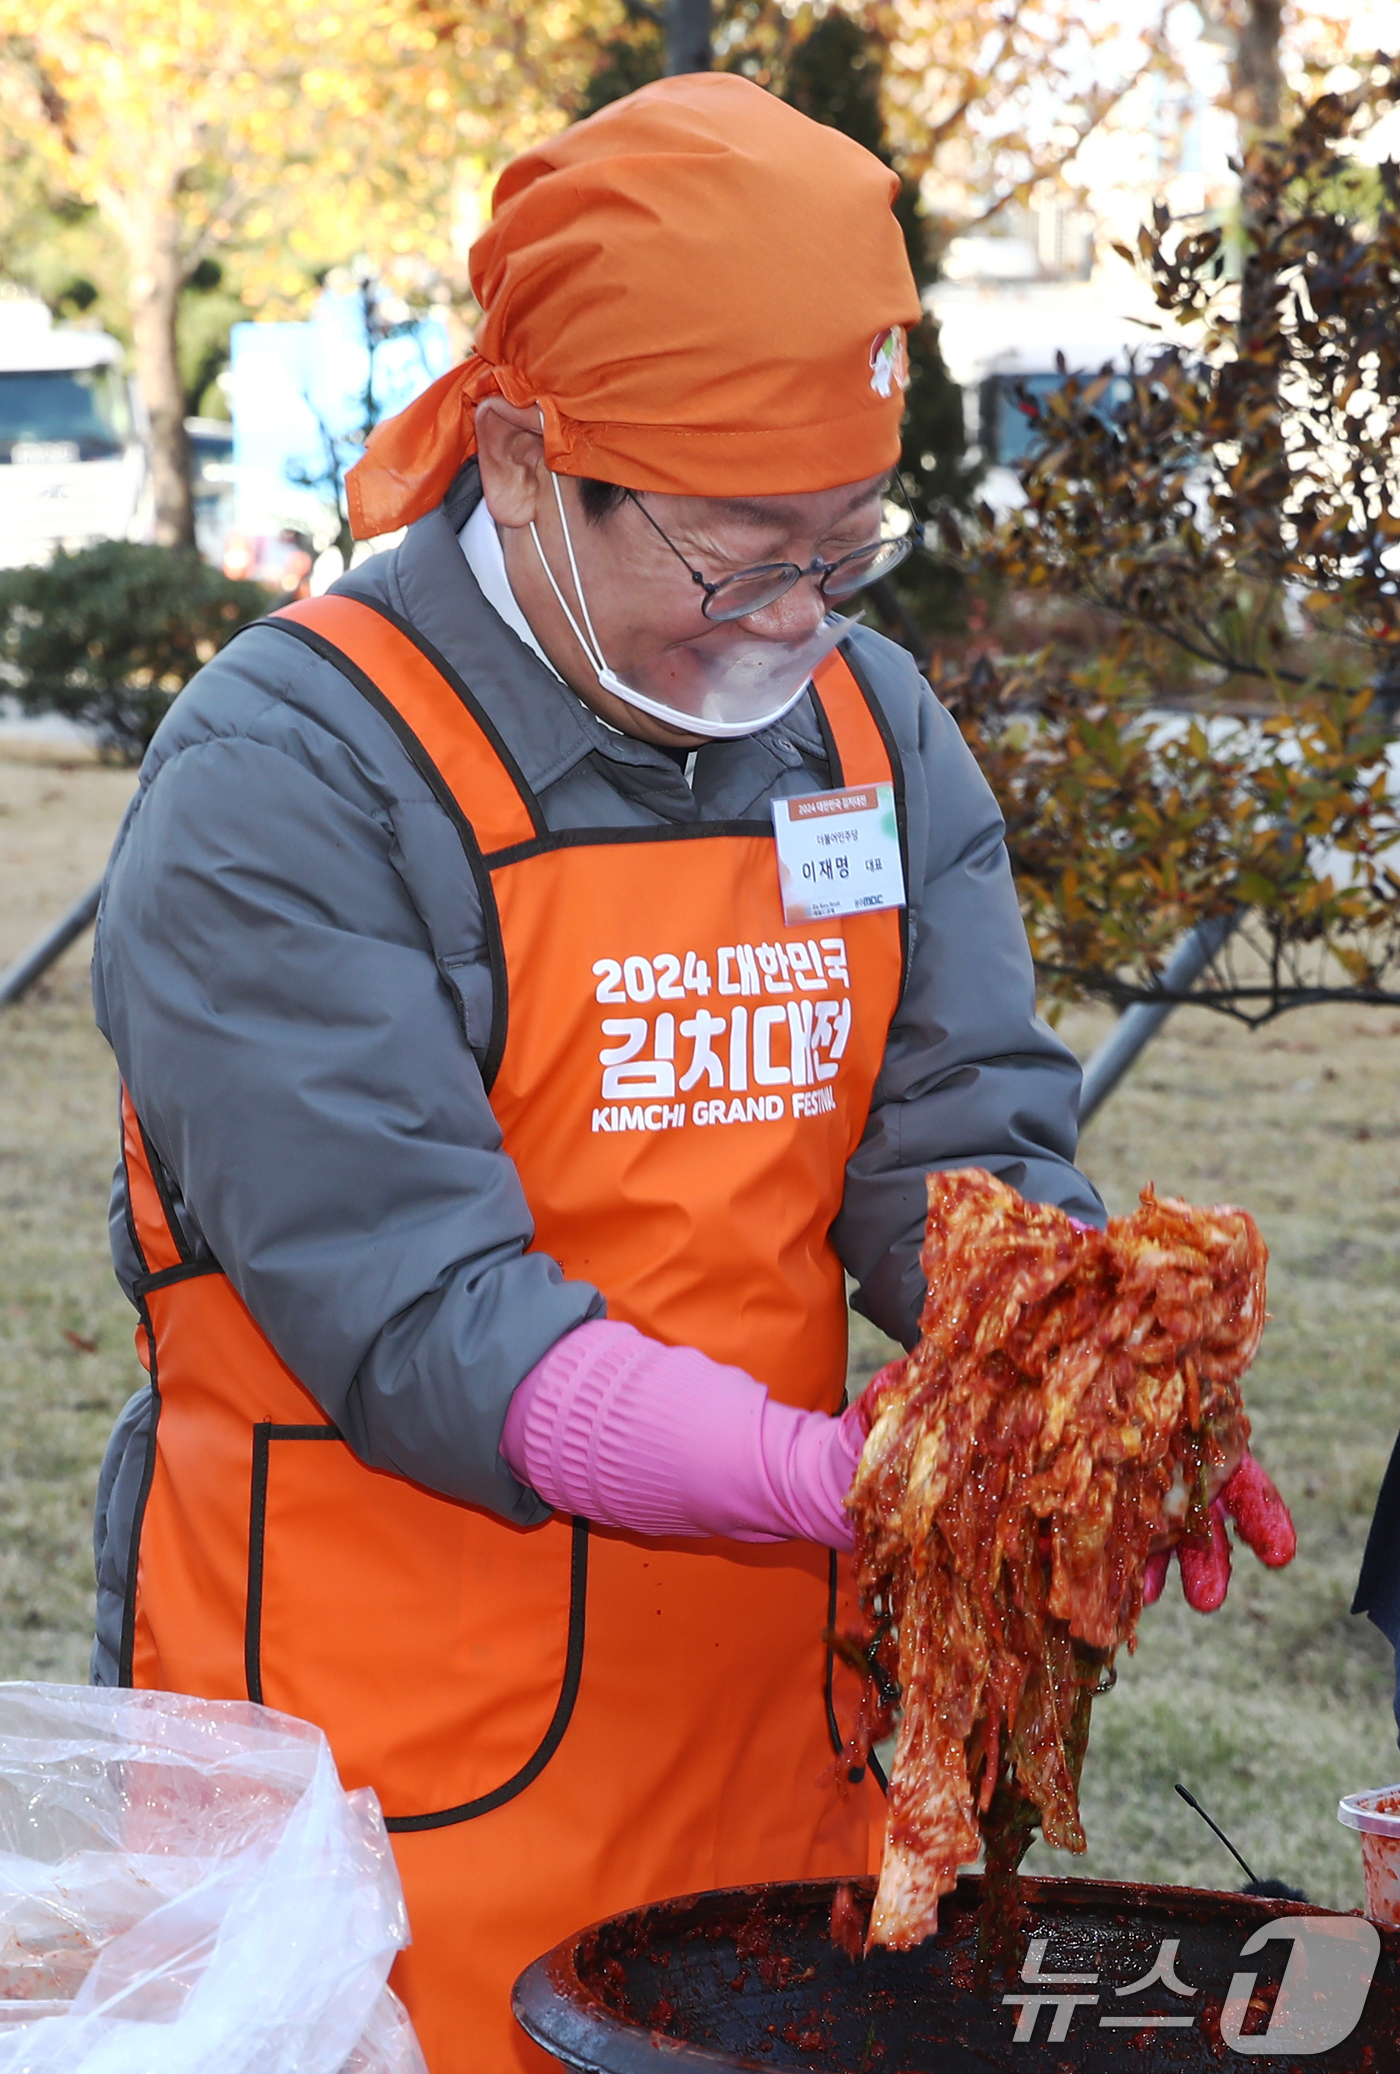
[
  {"x": 1230, "y": 510},
  {"x": 1127, "y": 828},
  {"x": 110, "y": 636}
]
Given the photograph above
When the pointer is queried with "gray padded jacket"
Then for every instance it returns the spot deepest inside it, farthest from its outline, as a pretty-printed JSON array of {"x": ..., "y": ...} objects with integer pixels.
[{"x": 291, "y": 969}]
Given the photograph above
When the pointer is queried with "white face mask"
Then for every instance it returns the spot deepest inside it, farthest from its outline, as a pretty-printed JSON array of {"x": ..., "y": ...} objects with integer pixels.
[{"x": 727, "y": 681}]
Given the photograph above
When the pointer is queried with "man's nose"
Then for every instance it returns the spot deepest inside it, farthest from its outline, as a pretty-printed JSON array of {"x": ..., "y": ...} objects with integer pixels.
[{"x": 793, "y": 616}]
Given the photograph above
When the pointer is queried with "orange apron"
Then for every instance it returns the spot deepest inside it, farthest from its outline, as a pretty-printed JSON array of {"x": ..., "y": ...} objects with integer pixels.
[{"x": 563, "y": 1721}]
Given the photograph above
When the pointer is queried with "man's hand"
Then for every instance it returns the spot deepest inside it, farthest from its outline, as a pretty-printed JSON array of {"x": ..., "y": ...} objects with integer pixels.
[{"x": 1261, "y": 1518}]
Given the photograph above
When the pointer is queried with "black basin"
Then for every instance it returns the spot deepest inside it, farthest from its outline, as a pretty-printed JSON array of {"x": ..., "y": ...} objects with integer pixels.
[{"x": 750, "y": 1978}]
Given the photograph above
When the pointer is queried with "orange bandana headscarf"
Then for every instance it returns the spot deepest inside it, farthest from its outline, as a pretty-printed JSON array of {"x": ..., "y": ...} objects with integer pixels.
[{"x": 703, "y": 291}]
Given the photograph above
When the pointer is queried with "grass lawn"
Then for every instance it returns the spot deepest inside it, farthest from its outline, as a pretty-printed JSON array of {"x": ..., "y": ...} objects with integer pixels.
[
  {"x": 66, "y": 1357},
  {"x": 1268, "y": 1711}
]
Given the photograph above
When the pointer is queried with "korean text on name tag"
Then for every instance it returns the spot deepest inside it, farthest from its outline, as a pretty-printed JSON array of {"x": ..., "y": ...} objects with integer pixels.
[{"x": 838, "y": 853}]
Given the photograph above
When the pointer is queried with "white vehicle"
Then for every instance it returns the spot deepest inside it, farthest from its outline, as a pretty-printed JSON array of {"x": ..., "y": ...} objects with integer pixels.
[{"x": 72, "y": 462}]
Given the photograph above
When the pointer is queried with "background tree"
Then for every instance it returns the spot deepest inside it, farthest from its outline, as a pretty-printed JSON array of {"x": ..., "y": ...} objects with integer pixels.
[
  {"x": 52, "y": 243},
  {"x": 835, "y": 74},
  {"x": 211, "y": 303},
  {"x": 1232, "y": 511},
  {"x": 986, "y": 98},
  {"x": 985, "y": 101},
  {"x": 306, "y": 131},
  {"x": 689, "y": 29},
  {"x": 1256, "y": 72}
]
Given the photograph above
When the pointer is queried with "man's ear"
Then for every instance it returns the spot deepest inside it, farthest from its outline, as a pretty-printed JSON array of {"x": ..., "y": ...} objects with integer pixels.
[{"x": 510, "y": 451}]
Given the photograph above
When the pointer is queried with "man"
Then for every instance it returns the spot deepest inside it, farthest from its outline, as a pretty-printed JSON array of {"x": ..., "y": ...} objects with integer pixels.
[
  {"x": 495, "y": 1139},
  {"x": 1378, "y": 1587}
]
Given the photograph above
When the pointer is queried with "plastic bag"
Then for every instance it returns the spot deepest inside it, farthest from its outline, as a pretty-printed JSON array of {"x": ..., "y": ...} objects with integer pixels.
[{"x": 186, "y": 1888}]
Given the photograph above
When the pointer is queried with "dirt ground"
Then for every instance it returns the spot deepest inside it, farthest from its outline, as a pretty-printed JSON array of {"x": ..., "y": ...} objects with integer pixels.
[
  {"x": 57, "y": 820},
  {"x": 1267, "y": 1711}
]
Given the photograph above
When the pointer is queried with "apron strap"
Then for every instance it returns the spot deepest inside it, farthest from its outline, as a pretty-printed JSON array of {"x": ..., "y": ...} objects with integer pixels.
[
  {"x": 434, "y": 711},
  {"x": 472, "y": 773},
  {"x": 862, "y": 750},
  {"x": 859, "y": 745},
  {"x": 429, "y": 707},
  {"x": 155, "y": 1227}
]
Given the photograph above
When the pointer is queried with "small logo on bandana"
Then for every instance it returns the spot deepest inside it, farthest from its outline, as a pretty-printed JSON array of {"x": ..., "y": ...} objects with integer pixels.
[{"x": 889, "y": 361}]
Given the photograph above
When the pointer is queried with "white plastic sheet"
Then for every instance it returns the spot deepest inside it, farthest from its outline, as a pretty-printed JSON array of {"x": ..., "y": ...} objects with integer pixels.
[{"x": 185, "y": 1888}]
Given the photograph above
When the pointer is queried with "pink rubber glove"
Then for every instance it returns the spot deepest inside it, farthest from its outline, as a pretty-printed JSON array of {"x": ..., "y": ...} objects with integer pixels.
[
  {"x": 662, "y": 1440},
  {"x": 1261, "y": 1518}
]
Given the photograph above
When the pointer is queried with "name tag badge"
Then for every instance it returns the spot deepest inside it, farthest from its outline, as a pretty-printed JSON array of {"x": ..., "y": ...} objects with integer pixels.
[{"x": 838, "y": 853}]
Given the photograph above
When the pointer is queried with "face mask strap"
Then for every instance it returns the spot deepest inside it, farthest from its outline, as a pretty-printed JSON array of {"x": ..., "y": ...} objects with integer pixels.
[
  {"x": 659, "y": 709},
  {"x": 587, "y": 642},
  {"x": 573, "y": 571}
]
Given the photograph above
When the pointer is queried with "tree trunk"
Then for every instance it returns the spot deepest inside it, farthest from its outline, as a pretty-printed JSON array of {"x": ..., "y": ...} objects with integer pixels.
[
  {"x": 1257, "y": 76},
  {"x": 1256, "y": 93},
  {"x": 1256, "y": 90},
  {"x": 156, "y": 276},
  {"x": 688, "y": 29}
]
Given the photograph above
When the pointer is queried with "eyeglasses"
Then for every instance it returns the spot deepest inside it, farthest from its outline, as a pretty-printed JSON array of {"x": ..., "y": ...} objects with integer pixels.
[{"x": 751, "y": 590}]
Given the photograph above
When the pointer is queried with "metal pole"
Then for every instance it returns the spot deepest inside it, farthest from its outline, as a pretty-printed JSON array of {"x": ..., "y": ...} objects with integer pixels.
[
  {"x": 18, "y": 978},
  {"x": 688, "y": 30},
  {"x": 1138, "y": 1025}
]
